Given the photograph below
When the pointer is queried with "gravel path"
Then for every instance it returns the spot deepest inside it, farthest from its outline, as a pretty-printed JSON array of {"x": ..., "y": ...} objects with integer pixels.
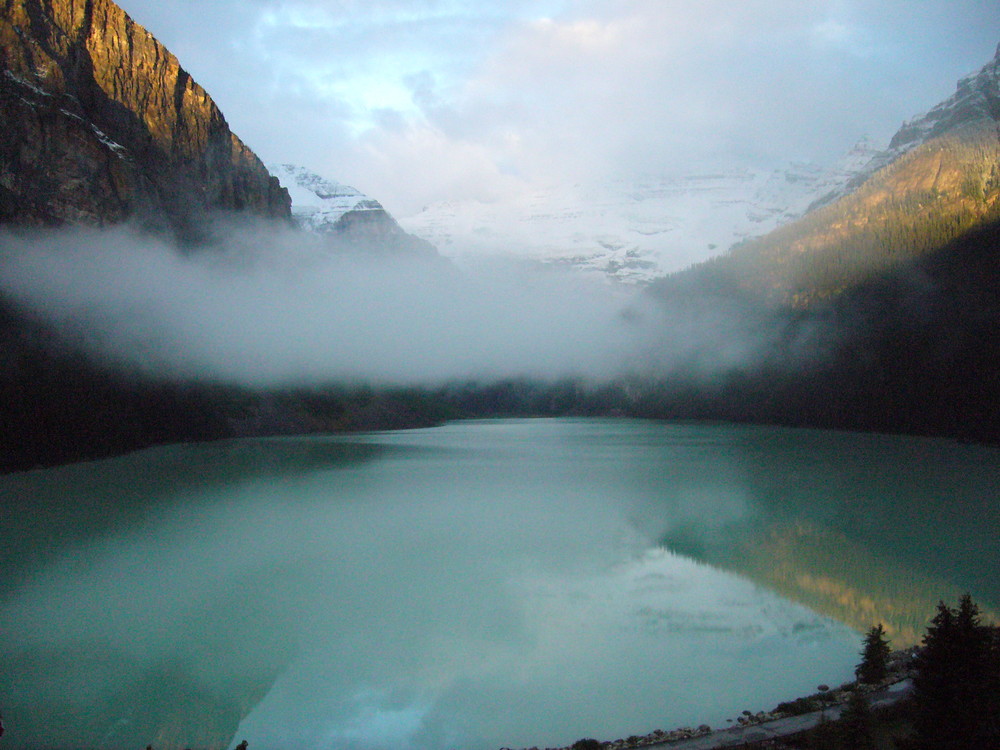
[{"x": 735, "y": 736}]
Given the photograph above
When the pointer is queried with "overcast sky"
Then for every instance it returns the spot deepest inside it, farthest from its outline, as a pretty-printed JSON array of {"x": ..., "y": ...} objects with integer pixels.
[{"x": 416, "y": 101}]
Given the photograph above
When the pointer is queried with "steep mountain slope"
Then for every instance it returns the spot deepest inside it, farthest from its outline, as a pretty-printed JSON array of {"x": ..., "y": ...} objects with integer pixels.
[
  {"x": 911, "y": 350},
  {"x": 340, "y": 212},
  {"x": 939, "y": 178},
  {"x": 883, "y": 305},
  {"x": 101, "y": 124},
  {"x": 975, "y": 100},
  {"x": 635, "y": 229}
]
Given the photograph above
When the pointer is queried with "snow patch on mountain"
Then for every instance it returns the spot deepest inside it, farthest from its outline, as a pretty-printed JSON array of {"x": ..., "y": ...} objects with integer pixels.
[
  {"x": 636, "y": 229},
  {"x": 976, "y": 99},
  {"x": 318, "y": 204}
]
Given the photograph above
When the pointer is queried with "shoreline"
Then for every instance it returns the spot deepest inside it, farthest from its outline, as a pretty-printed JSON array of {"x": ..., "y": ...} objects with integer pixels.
[{"x": 790, "y": 717}]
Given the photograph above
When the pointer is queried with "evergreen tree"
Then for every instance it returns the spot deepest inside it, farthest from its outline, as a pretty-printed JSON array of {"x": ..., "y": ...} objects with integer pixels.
[
  {"x": 857, "y": 724},
  {"x": 874, "y": 658},
  {"x": 934, "y": 681},
  {"x": 956, "y": 685}
]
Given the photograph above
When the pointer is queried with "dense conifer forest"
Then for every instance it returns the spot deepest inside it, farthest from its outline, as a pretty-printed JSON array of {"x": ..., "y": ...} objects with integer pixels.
[{"x": 920, "y": 203}]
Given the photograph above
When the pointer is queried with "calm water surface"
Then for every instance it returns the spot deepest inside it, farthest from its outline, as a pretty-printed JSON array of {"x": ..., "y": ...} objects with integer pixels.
[{"x": 480, "y": 584}]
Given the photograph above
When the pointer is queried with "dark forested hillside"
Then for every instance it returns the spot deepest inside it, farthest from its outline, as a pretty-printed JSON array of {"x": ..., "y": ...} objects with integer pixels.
[
  {"x": 885, "y": 300},
  {"x": 59, "y": 405},
  {"x": 914, "y": 349}
]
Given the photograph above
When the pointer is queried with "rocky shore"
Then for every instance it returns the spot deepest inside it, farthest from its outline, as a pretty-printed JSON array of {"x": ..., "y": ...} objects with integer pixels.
[{"x": 900, "y": 668}]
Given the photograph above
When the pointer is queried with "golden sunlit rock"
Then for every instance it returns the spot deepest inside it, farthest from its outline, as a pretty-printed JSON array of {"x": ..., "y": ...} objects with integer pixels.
[{"x": 104, "y": 125}]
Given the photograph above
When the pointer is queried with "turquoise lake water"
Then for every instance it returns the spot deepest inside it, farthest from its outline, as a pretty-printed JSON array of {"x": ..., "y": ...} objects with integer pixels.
[{"x": 475, "y": 585}]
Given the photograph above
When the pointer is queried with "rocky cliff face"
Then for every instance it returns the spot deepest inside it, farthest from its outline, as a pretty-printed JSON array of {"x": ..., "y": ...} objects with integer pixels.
[{"x": 101, "y": 124}]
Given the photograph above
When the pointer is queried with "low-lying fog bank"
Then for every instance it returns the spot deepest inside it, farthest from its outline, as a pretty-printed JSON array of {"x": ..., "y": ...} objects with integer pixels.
[{"x": 268, "y": 306}]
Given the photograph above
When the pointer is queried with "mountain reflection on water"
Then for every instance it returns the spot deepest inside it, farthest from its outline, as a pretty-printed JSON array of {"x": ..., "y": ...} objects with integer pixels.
[
  {"x": 508, "y": 582},
  {"x": 861, "y": 527}
]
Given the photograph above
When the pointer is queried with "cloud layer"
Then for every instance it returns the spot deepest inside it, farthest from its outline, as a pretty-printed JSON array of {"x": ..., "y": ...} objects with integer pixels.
[
  {"x": 271, "y": 306},
  {"x": 425, "y": 100}
]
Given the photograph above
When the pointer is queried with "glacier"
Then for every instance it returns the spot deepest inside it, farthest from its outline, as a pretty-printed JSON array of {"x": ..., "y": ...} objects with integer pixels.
[{"x": 635, "y": 229}]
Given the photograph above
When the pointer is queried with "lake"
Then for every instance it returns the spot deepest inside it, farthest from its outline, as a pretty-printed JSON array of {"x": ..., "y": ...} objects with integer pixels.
[{"x": 474, "y": 585}]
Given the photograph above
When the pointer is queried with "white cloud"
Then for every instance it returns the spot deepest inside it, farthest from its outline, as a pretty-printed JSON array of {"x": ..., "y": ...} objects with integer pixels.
[
  {"x": 459, "y": 94},
  {"x": 270, "y": 305}
]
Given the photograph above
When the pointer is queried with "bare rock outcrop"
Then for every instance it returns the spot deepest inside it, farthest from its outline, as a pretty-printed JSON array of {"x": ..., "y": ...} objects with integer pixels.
[{"x": 102, "y": 124}]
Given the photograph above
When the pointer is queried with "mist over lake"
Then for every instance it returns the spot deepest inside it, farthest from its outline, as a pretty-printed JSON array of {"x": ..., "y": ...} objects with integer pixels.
[
  {"x": 410, "y": 214},
  {"x": 476, "y": 585}
]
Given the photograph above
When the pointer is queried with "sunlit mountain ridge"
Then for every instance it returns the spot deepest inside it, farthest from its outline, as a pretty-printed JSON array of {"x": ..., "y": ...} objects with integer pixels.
[
  {"x": 939, "y": 179},
  {"x": 102, "y": 125}
]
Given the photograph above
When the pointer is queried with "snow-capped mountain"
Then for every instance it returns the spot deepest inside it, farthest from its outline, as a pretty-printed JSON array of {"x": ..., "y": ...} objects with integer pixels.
[
  {"x": 976, "y": 99},
  {"x": 635, "y": 229},
  {"x": 339, "y": 211},
  {"x": 318, "y": 204}
]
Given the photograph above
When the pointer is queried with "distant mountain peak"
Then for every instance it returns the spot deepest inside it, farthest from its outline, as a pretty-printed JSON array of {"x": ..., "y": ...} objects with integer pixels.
[
  {"x": 976, "y": 97},
  {"x": 328, "y": 207},
  {"x": 319, "y": 203},
  {"x": 634, "y": 229}
]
